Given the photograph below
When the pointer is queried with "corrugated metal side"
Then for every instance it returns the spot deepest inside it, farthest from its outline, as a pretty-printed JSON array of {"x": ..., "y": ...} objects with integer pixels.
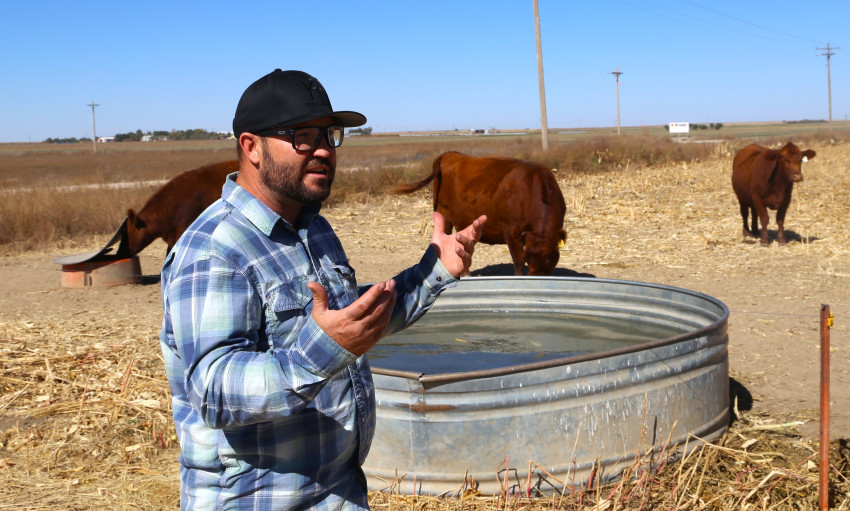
[{"x": 566, "y": 416}]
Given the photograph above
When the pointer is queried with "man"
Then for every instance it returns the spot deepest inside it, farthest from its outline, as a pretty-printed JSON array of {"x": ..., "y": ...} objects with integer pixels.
[{"x": 264, "y": 333}]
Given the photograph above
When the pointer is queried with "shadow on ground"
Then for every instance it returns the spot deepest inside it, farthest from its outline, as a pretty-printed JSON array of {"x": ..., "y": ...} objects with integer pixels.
[
  {"x": 790, "y": 237},
  {"x": 740, "y": 399},
  {"x": 149, "y": 280},
  {"x": 507, "y": 270}
]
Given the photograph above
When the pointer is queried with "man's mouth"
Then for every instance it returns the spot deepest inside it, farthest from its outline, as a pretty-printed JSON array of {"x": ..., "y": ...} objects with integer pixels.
[{"x": 317, "y": 166}]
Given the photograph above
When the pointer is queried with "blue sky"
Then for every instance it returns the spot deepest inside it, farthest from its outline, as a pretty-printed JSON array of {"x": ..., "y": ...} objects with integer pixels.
[{"x": 411, "y": 66}]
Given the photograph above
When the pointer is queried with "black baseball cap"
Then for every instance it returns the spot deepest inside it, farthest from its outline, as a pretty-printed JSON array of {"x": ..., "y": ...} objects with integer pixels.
[{"x": 284, "y": 98}]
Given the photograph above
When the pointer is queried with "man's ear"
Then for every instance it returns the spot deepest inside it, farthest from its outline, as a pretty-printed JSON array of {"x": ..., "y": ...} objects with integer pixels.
[{"x": 251, "y": 147}]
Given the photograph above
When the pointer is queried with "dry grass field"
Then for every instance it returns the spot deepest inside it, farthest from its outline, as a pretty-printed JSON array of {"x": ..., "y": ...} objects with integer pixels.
[{"x": 84, "y": 407}]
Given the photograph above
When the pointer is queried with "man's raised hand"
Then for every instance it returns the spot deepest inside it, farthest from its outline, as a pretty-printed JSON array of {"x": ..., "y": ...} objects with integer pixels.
[
  {"x": 359, "y": 326},
  {"x": 455, "y": 250}
]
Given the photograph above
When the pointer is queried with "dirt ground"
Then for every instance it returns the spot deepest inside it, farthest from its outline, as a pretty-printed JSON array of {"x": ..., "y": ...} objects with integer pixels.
[{"x": 674, "y": 226}]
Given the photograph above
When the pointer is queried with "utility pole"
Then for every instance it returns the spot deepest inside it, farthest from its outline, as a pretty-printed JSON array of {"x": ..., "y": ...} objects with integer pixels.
[
  {"x": 543, "y": 124},
  {"x": 829, "y": 54},
  {"x": 93, "y": 129},
  {"x": 617, "y": 74}
]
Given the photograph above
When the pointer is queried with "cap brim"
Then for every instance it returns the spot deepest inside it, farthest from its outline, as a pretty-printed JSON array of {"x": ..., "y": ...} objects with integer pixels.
[
  {"x": 346, "y": 118},
  {"x": 349, "y": 119}
]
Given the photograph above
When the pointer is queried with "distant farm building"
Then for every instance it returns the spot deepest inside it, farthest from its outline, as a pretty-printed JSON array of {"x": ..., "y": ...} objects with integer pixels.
[{"x": 105, "y": 140}]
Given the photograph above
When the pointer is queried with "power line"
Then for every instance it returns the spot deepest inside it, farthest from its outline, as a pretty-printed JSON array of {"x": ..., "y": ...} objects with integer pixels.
[
  {"x": 739, "y": 20},
  {"x": 712, "y": 26},
  {"x": 829, "y": 54}
]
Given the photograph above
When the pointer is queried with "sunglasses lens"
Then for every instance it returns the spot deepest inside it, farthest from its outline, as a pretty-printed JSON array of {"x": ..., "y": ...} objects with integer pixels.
[
  {"x": 335, "y": 134},
  {"x": 309, "y": 138},
  {"x": 306, "y": 139}
]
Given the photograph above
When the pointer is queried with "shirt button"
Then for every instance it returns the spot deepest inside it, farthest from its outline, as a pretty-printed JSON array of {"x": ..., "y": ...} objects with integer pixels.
[{"x": 439, "y": 279}]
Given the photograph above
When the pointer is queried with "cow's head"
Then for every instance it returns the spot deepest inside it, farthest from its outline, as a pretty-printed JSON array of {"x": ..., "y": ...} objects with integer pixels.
[
  {"x": 791, "y": 160},
  {"x": 133, "y": 235},
  {"x": 543, "y": 251}
]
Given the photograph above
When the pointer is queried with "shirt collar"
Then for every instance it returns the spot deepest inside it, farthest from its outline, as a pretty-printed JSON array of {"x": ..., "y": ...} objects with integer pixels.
[{"x": 257, "y": 212}]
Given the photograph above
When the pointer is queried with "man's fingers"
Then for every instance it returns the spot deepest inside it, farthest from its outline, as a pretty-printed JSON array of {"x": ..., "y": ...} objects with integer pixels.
[
  {"x": 359, "y": 326},
  {"x": 478, "y": 228},
  {"x": 474, "y": 230},
  {"x": 380, "y": 295},
  {"x": 464, "y": 255},
  {"x": 464, "y": 244},
  {"x": 439, "y": 222}
]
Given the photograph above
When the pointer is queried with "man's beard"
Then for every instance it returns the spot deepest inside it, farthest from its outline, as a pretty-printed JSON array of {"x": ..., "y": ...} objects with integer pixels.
[{"x": 286, "y": 180}]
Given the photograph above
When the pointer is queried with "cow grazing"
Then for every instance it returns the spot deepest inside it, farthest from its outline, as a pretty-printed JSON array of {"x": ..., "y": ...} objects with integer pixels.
[
  {"x": 522, "y": 200},
  {"x": 763, "y": 178},
  {"x": 172, "y": 208}
]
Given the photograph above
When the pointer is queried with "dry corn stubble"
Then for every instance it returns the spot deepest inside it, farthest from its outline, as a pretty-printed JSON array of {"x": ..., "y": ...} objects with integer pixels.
[{"x": 85, "y": 408}]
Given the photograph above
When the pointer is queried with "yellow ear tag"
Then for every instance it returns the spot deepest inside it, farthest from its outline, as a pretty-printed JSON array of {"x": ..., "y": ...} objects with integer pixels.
[{"x": 561, "y": 244}]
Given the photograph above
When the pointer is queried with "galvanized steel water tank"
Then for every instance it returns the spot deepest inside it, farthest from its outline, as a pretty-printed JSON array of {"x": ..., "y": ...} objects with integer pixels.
[{"x": 563, "y": 419}]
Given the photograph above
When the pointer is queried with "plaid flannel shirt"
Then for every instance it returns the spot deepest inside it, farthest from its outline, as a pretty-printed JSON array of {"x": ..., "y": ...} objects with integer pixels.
[{"x": 270, "y": 412}]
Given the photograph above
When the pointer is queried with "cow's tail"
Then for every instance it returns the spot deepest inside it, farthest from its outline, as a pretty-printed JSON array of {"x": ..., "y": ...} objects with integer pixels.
[{"x": 412, "y": 187}]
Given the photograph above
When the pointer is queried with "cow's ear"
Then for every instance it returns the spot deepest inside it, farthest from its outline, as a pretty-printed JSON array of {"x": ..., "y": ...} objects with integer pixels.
[
  {"x": 809, "y": 154},
  {"x": 134, "y": 220}
]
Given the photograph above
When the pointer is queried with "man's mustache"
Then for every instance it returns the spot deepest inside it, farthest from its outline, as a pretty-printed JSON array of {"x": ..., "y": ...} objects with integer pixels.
[{"x": 317, "y": 162}]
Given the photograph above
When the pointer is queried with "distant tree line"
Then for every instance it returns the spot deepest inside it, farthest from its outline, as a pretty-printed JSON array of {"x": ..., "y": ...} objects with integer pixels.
[
  {"x": 194, "y": 134},
  {"x": 712, "y": 125},
  {"x": 129, "y": 137},
  {"x": 805, "y": 121},
  {"x": 66, "y": 140},
  {"x": 139, "y": 135},
  {"x": 693, "y": 126}
]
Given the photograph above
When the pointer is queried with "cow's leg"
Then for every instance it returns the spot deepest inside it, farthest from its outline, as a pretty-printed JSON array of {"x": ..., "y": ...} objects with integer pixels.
[
  {"x": 763, "y": 218},
  {"x": 745, "y": 213},
  {"x": 516, "y": 246},
  {"x": 755, "y": 225},
  {"x": 780, "y": 224}
]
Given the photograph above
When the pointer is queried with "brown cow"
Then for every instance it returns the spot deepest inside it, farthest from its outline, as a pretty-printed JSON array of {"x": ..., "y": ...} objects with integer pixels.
[
  {"x": 763, "y": 178},
  {"x": 172, "y": 208},
  {"x": 522, "y": 200}
]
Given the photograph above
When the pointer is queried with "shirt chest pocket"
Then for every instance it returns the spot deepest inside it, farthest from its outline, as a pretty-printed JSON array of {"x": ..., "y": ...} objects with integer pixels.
[
  {"x": 342, "y": 284},
  {"x": 288, "y": 306}
]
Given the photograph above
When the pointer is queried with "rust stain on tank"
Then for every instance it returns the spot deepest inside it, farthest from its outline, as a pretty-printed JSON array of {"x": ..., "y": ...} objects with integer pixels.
[{"x": 422, "y": 407}]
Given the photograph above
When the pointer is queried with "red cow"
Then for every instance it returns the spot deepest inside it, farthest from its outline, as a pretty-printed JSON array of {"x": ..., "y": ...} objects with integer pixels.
[
  {"x": 172, "y": 208},
  {"x": 522, "y": 200},
  {"x": 763, "y": 178}
]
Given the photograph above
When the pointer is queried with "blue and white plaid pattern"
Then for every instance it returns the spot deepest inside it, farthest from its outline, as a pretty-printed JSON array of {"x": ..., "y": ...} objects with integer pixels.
[{"x": 270, "y": 412}]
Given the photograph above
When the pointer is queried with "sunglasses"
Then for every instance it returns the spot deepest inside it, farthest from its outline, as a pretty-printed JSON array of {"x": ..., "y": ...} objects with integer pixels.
[{"x": 308, "y": 137}]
